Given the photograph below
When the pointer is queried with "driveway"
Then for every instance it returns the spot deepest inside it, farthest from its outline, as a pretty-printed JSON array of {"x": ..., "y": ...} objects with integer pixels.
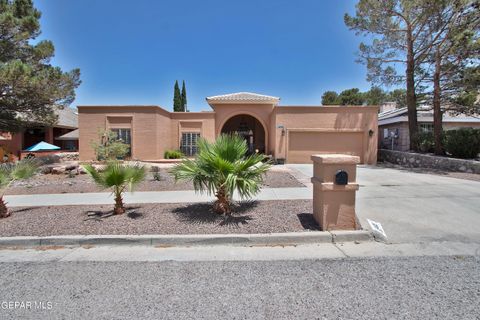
[{"x": 415, "y": 207}]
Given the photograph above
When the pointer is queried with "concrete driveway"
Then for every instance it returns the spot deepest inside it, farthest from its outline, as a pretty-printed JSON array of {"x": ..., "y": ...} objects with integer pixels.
[{"x": 415, "y": 207}]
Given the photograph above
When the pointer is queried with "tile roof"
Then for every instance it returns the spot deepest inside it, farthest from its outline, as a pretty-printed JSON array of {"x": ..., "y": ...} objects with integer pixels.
[
  {"x": 424, "y": 113},
  {"x": 243, "y": 97}
]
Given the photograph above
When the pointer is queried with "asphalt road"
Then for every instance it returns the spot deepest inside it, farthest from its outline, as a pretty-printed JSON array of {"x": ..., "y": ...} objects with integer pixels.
[{"x": 367, "y": 288}]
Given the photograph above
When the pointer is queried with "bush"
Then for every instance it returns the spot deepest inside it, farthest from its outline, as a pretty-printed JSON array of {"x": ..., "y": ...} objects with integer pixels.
[
  {"x": 173, "y": 154},
  {"x": 110, "y": 147},
  {"x": 463, "y": 143},
  {"x": 222, "y": 168},
  {"x": 426, "y": 142}
]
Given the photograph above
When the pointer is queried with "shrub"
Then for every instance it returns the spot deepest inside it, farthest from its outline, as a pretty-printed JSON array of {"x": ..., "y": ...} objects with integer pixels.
[
  {"x": 222, "y": 168},
  {"x": 9, "y": 173},
  {"x": 118, "y": 177},
  {"x": 109, "y": 147},
  {"x": 463, "y": 143},
  {"x": 426, "y": 142},
  {"x": 173, "y": 154}
]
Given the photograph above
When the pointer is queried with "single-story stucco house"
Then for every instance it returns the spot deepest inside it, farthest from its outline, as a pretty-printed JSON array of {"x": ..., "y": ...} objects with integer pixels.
[
  {"x": 393, "y": 125},
  {"x": 287, "y": 133}
]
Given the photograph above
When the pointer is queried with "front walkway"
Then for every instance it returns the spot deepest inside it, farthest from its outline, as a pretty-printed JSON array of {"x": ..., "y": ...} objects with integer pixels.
[{"x": 187, "y": 196}]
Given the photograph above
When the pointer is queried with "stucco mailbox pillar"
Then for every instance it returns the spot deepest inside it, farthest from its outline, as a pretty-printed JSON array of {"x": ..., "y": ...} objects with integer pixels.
[{"x": 334, "y": 188}]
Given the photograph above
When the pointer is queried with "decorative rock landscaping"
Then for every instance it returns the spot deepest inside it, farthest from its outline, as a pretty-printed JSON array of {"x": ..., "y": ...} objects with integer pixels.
[
  {"x": 418, "y": 160},
  {"x": 187, "y": 218}
]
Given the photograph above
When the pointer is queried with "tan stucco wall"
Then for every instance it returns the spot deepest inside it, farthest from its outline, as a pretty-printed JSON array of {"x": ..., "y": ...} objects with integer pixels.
[
  {"x": 262, "y": 112},
  {"x": 150, "y": 127},
  {"x": 202, "y": 122},
  {"x": 154, "y": 130}
]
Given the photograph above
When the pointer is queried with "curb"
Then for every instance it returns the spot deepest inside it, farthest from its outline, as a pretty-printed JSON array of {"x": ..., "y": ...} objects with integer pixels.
[{"x": 243, "y": 240}]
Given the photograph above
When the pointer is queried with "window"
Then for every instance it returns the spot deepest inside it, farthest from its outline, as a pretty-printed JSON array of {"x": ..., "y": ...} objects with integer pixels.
[
  {"x": 426, "y": 127},
  {"x": 124, "y": 135},
  {"x": 188, "y": 145}
]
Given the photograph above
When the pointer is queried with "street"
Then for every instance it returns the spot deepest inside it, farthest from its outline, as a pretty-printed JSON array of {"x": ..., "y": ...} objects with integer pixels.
[{"x": 445, "y": 287}]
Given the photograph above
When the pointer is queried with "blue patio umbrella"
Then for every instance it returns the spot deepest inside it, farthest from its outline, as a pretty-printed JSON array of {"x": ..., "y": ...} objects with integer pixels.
[{"x": 41, "y": 146}]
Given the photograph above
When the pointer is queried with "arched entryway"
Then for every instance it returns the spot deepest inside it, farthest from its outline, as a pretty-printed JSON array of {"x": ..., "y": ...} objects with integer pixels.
[{"x": 250, "y": 129}]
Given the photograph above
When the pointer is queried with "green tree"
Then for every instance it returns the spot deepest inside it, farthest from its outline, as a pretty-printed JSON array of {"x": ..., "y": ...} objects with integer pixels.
[
  {"x": 375, "y": 96},
  {"x": 11, "y": 172},
  {"x": 399, "y": 96},
  {"x": 221, "y": 168},
  {"x": 398, "y": 29},
  {"x": 31, "y": 88},
  {"x": 330, "y": 98},
  {"x": 184, "y": 97},
  {"x": 455, "y": 46},
  {"x": 118, "y": 177},
  {"x": 177, "y": 98},
  {"x": 468, "y": 85},
  {"x": 351, "y": 97},
  {"x": 109, "y": 147}
]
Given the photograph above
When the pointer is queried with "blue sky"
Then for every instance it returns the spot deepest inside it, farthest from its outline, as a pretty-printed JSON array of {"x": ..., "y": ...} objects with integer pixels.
[{"x": 131, "y": 52}]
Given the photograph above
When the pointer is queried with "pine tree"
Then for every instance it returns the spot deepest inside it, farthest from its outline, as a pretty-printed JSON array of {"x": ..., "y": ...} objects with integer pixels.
[
  {"x": 184, "y": 97},
  {"x": 397, "y": 30},
  {"x": 29, "y": 83},
  {"x": 177, "y": 98}
]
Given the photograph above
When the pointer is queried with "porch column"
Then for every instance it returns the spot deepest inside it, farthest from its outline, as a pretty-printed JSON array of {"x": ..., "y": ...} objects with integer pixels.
[
  {"x": 49, "y": 135},
  {"x": 334, "y": 187}
]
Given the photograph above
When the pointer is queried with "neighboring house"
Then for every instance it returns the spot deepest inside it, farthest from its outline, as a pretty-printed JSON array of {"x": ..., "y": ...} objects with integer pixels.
[
  {"x": 62, "y": 134},
  {"x": 394, "y": 132},
  {"x": 287, "y": 133}
]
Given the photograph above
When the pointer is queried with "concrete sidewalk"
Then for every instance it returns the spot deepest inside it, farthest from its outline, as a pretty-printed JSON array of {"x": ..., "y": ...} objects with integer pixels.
[
  {"x": 235, "y": 253},
  {"x": 145, "y": 197}
]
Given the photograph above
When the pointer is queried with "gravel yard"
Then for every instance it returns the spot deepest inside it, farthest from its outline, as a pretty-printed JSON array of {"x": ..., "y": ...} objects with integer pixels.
[
  {"x": 188, "y": 218},
  {"x": 61, "y": 183}
]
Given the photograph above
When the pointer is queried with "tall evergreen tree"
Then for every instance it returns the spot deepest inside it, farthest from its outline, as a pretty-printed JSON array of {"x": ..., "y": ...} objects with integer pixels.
[
  {"x": 30, "y": 87},
  {"x": 455, "y": 42},
  {"x": 184, "y": 97},
  {"x": 398, "y": 29},
  {"x": 177, "y": 98}
]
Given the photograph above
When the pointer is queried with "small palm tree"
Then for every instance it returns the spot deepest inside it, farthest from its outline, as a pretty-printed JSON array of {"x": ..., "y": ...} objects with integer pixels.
[
  {"x": 118, "y": 177},
  {"x": 10, "y": 172},
  {"x": 221, "y": 168}
]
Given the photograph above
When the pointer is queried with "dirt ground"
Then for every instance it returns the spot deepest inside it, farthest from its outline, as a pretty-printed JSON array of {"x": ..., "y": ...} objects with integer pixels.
[
  {"x": 62, "y": 183},
  {"x": 186, "y": 218}
]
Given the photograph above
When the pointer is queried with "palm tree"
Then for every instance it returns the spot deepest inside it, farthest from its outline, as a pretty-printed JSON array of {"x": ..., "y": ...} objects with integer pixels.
[
  {"x": 10, "y": 172},
  {"x": 221, "y": 168},
  {"x": 118, "y": 177}
]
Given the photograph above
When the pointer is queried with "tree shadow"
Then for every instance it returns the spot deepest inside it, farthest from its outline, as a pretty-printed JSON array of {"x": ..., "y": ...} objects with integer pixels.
[
  {"x": 100, "y": 215},
  {"x": 202, "y": 213},
  {"x": 23, "y": 209},
  {"x": 308, "y": 221}
]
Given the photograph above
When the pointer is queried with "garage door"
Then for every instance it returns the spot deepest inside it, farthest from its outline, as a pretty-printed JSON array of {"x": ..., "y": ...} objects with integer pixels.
[{"x": 301, "y": 145}]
